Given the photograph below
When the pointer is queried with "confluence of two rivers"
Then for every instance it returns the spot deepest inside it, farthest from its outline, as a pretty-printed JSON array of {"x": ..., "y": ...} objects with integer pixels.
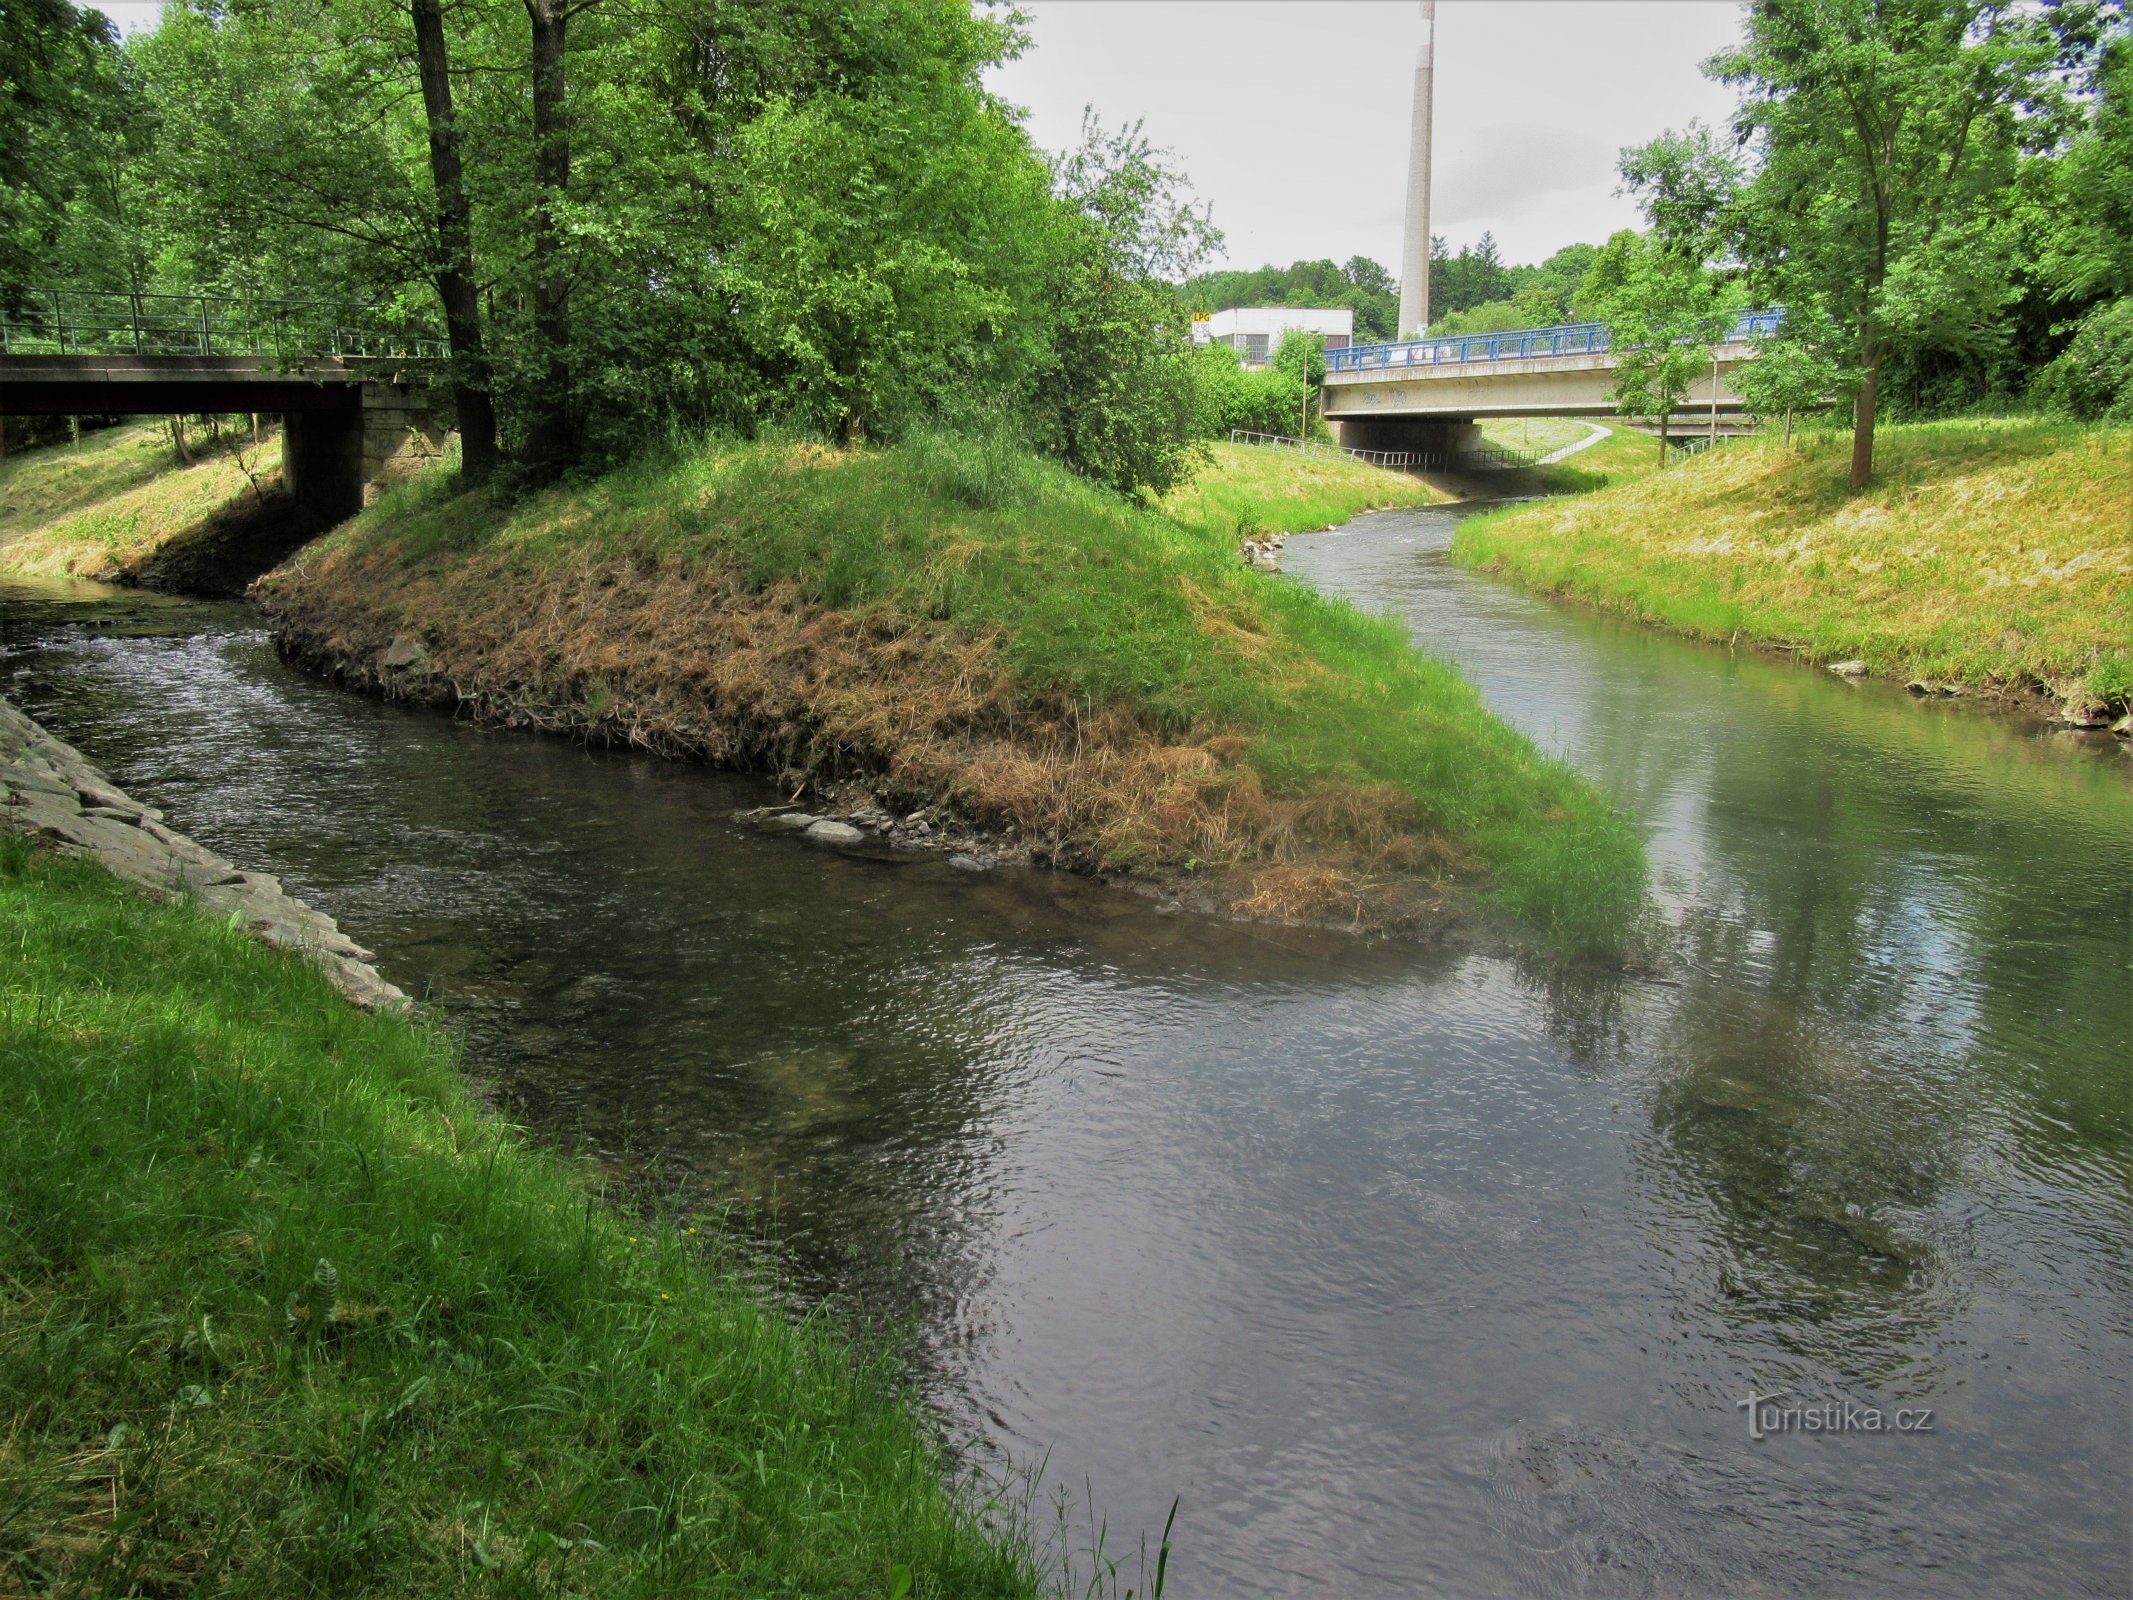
[{"x": 1410, "y": 1272}]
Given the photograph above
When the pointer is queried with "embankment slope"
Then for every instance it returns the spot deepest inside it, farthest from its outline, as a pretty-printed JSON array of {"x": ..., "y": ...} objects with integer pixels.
[
  {"x": 957, "y": 625},
  {"x": 1988, "y": 557},
  {"x": 282, "y": 1311}
]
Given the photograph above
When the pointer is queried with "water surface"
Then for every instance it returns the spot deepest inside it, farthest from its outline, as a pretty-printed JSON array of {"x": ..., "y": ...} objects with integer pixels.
[{"x": 1409, "y": 1272}]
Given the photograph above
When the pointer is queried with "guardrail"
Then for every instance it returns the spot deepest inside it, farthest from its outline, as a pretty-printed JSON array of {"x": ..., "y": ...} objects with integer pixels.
[
  {"x": 1488, "y": 460},
  {"x": 96, "y": 322},
  {"x": 1516, "y": 344}
]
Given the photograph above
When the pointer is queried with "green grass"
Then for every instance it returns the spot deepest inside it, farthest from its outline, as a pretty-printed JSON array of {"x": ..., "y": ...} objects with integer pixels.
[
  {"x": 283, "y": 1313},
  {"x": 1087, "y": 596},
  {"x": 1537, "y": 435},
  {"x": 96, "y": 509},
  {"x": 1985, "y": 553},
  {"x": 1254, "y": 489},
  {"x": 39, "y": 486}
]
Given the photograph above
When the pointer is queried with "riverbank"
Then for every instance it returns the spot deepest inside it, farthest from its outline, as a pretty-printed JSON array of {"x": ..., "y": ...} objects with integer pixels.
[
  {"x": 121, "y": 506},
  {"x": 282, "y": 1310},
  {"x": 51, "y": 793},
  {"x": 980, "y": 638},
  {"x": 1990, "y": 558}
]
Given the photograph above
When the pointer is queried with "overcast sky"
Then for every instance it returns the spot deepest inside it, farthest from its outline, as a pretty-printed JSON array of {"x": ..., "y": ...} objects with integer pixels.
[{"x": 1292, "y": 115}]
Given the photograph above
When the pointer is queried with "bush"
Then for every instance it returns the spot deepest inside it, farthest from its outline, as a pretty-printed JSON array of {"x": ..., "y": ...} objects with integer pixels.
[{"x": 2093, "y": 376}]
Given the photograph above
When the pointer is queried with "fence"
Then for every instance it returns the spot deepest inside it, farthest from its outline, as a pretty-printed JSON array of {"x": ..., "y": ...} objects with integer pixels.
[
  {"x": 77, "y": 322},
  {"x": 1489, "y": 460},
  {"x": 1517, "y": 344}
]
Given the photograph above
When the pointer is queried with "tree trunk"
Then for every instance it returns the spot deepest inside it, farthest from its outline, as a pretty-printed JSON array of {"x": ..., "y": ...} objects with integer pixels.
[
  {"x": 1664, "y": 418},
  {"x": 1788, "y": 427},
  {"x": 547, "y": 447},
  {"x": 455, "y": 252},
  {"x": 1863, "y": 419}
]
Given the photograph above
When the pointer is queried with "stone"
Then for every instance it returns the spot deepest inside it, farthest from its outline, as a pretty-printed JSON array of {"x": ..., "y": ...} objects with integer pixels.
[
  {"x": 792, "y": 819},
  {"x": 831, "y": 832},
  {"x": 1848, "y": 669},
  {"x": 405, "y": 653},
  {"x": 965, "y": 863}
]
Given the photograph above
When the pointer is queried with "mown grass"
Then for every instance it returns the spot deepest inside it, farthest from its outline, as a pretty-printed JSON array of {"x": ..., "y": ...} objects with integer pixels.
[
  {"x": 40, "y": 485},
  {"x": 1537, "y": 435},
  {"x": 1247, "y": 490},
  {"x": 1989, "y": 554},
  {"x": 97, "y": 509},
  {"x": 1349, "y": 734},
  {"x": 283, "y": 1313}
]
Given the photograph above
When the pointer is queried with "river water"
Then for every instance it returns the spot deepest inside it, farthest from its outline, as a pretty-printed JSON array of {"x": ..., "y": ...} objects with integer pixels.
[{"x": 1405, "y": 1272}]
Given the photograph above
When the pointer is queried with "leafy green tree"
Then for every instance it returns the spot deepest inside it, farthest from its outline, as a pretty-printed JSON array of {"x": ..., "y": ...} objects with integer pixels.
[
  {"x": 1789, "y": 373},
  {"x": 1888, "y": 134},
  {"x": 1663, "y": 314},
  {"x": 66, "y": 140}
]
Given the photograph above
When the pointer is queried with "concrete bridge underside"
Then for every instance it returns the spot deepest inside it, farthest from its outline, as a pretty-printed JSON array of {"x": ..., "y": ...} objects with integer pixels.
[
  {"x": 349, "y": 427},
  {"x": 1437, "y": 407}
]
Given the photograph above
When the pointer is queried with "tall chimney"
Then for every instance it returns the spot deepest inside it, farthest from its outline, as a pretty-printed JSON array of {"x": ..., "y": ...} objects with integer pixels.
[{"x": 1414, "y": 265}]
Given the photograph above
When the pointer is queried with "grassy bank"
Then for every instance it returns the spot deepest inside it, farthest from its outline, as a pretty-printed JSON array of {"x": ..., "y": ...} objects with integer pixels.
[
  {"x": 120, "y": 506},
  {"x": 958, "y": 624},
  {"x": 282, "y": 1312},
  {"x": 1248, "y": 490},
  {"x": 1990, "y": 555}
]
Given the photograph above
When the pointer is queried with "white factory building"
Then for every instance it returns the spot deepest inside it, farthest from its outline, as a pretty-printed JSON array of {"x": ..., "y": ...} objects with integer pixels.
[{"x": 1254, "y": 332}]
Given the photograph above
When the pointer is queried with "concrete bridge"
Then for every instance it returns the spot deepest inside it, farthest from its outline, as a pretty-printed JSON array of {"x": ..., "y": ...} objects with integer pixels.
[
  {"x": 357, "y": 408},
  {"x": 1428, "y": 394}
]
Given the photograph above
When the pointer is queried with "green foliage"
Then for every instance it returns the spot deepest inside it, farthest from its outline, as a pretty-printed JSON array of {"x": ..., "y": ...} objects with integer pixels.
[
  {"x": 1887, "y": 140},
  {"x": 1119, "y": 400},
  {"x": 1663, "y": 313},
  {"x": 319, "y": 1324},
  {"x": 808, "y": 213},
  {"x": 2093, "y": 377},
  {"x": 1791, "y": 372},
  {"x": 1231, "y": 398},
  {"x": 66, "y": 139}
]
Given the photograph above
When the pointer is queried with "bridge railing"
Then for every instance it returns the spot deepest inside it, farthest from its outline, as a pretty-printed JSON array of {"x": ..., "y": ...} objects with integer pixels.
[
  {"x": 1516, "y": 344},
  {"x": 96, "y": 322},
  {"x": 1484, "y": 460}
]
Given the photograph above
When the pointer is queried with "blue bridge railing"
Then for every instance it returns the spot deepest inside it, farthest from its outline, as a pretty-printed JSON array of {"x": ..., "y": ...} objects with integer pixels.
[{"x": 1517, "y": 344}]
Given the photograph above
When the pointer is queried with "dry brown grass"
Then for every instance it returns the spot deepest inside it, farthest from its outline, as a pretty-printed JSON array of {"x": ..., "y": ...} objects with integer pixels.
[{"x": 684, "y": 659}]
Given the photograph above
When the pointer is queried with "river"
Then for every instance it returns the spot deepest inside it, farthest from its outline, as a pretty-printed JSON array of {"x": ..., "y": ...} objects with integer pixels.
[{"x": 1405, "y": 1271}]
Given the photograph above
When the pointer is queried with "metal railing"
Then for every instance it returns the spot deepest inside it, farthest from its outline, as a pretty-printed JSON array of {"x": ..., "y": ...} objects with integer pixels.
[
  {"x": 1484, "y": 460},
  {"x": 1516, "y": 344},
  {"x": 98, "y": 322}
]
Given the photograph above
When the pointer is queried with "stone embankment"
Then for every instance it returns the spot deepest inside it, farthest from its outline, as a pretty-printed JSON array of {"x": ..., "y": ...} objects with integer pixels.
[{"x": 51, "y": 792}]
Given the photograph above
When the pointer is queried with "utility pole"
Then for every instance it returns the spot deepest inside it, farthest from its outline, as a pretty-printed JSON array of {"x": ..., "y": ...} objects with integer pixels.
[{"x": 1414, "y": 265}]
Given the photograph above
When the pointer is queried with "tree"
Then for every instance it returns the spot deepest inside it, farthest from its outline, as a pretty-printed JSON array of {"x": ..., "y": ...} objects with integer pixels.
[
  {"x": 1663, "y": 314},
  {"x": 1888, "y": 133},
  {"x": 454, "y": 266},
  {"x": 1789, "y": 373},
  {"x": 1123, "y": 382}
]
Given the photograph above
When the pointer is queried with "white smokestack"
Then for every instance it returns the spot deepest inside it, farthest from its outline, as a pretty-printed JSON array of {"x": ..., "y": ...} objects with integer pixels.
[{"x": 1414, "y": 263}]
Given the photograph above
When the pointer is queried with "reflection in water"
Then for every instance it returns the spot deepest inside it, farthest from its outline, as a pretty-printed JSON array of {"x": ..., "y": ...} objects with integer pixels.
[{"x": 1408, "y": 1271}]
